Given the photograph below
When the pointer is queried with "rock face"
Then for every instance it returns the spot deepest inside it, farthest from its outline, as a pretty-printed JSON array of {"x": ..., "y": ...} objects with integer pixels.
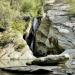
[
  {"x": 58, "y": 25},
  {"x": 15, "y": 47}
]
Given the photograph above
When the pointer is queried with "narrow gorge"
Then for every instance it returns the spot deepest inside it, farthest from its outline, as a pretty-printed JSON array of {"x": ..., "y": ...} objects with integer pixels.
[{"x": 37, "y": 33}]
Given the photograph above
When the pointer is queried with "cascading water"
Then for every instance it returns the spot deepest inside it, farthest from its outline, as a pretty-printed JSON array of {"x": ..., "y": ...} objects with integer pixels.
[
  {"x": 31, "y": 39},
  {"x": 35, "y": 25}
]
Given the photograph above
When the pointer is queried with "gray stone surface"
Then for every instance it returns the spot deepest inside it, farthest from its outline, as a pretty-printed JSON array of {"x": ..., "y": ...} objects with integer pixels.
[
  {"x": 71, "y": 63},
  {"x": 59, "y": 25}
]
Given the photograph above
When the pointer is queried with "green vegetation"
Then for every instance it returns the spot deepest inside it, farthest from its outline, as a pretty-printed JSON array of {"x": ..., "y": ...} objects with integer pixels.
[
  {"x": 18, "y": 25},
  {"x": 33, "y": 7},
  {"x": 72, "y": 6},
  {"x": 11, "y": 12},
  {"x": 11, "y": 19},
  {"x": 19, "y": 47}
]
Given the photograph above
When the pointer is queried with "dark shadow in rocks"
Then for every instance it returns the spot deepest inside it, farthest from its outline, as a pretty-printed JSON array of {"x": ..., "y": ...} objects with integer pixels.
[
  {"x": 57, "y": 48},
  {"x": 2, "y": 29},
  {"x": 26, "y": 18},
  {"x": 26, "y": 70},
  {"x": 42, "y": 52}
]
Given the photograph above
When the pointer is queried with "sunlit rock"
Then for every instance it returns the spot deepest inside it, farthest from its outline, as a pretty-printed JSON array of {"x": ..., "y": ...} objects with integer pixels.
[
  {"x": 49, "y": 1},
  {"x": 52, "y": 60}
]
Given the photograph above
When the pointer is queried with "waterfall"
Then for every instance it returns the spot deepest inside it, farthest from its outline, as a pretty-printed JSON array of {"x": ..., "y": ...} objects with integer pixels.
[
  {"x": 35, "y": 25},
  {"x": 32, "y": 36}
]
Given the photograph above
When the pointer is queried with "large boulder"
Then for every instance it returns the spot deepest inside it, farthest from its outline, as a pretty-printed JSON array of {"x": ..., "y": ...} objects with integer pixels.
[{"x": 57, "y": 30}]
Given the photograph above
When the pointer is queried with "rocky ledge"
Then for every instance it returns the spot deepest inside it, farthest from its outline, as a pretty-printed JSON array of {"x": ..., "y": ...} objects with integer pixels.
[
  {"x": 50, "y": 60},
  {"x": 34, "y": 69}
]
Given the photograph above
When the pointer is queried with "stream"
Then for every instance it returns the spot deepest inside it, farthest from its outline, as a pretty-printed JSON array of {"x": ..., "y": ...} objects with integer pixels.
[{"x": 31, "y": 39}]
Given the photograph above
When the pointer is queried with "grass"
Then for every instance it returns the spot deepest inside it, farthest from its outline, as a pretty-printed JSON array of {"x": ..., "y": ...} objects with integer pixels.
[{"x": 72, "y": 6}]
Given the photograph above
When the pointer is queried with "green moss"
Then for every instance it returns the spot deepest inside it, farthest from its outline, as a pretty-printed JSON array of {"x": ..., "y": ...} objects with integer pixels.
[
  {"x": 5, "y": 39},
  {"x": 18, "y": 25},
  {"x": 19, "y": 47}
]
